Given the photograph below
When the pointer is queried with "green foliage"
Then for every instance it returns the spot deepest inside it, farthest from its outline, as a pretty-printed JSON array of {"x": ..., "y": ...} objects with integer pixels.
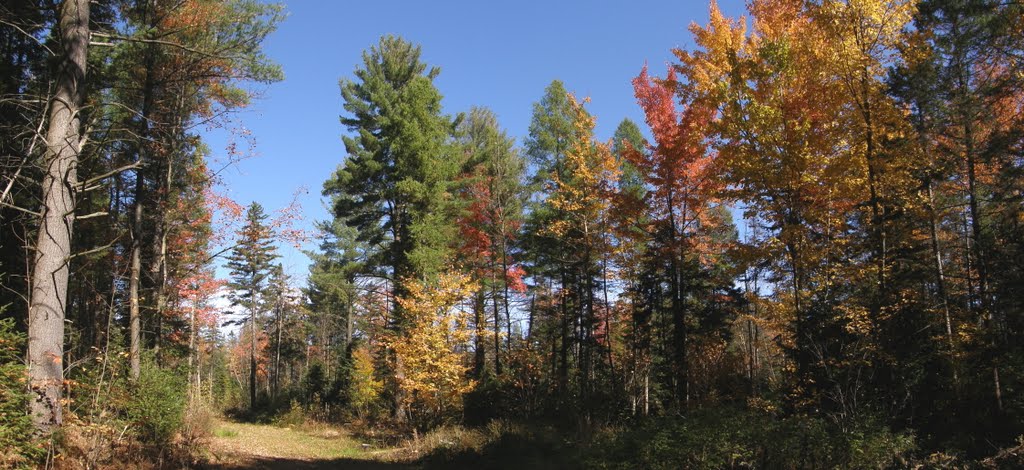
[
  {"x": 225, "y": 432},
  {"x": 626, "y": 136},
  {"x": 16, "y": 429},
  {"x": 314, "y": 383},
  {"x": 250, "y": 260},
  {"x": 394, "y": 182},
  {"x": 729, "y": 438},
  {"x": 294, "y": 417},
  {"x": 501, "y": 445},
  {"x": 155, "y": 405},
  {"x": 550, "y": 129}
]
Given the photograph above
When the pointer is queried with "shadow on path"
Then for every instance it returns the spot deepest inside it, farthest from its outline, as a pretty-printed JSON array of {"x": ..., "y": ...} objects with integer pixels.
[{"x": 279, "y": 463}]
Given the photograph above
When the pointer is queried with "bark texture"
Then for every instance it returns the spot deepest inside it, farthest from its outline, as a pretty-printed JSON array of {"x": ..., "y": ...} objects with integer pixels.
[{"x": 53, "y": 245}]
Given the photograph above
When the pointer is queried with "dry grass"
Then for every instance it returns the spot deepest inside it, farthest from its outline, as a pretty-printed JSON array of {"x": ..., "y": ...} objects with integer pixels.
[{"x": 234, "y": 441}]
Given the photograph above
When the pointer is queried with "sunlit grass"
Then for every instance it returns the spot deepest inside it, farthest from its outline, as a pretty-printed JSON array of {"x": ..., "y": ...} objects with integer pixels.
[{"x": 225, "y": 432}]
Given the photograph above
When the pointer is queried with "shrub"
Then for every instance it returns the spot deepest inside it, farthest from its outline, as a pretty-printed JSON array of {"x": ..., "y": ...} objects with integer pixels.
[
  {"x": 294, "y": 417},
  {"x": 499, "y": 445},
  {"x": 364, "y": 388},
  {"x": 197, "y": 423},
  {"x": 156, "y": 405},
  {"x": 731, "y": 438},
  {"x": 16, "y": 446},
  {"x": 314, "y": 383}
]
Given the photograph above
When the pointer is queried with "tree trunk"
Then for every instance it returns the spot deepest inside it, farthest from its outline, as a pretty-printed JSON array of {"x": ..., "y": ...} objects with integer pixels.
[
  {"x": 563, "y": 350},
  {"x": 478, "y": 343},
  {"x": 53, "y": 246},
  {"x": 277, "y": 353},
  {"x": 679, "y": 333},
  {"x": 134, "y": 313},
  {"x": 940, "y": 277},
  {"x": 497, "y": 328},
  {"x": 348, "y": 320},
  {"x": 135, "y": 279},
  {"x": 159, "y": 268},
  {"x": 252, "y": 358},
  {"x": 504, "y": 299}
]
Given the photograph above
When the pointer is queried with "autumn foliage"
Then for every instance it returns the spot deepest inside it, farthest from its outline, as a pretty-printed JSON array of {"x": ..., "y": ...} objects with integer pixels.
[{"x": 429, "y": 371}]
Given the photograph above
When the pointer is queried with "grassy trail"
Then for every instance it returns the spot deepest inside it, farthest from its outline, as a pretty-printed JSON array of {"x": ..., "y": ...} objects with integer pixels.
[{"x": 237, "y": 445}]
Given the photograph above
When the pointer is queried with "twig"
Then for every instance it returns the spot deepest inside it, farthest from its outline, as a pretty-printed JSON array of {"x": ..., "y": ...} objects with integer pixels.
[
  {"x": 31, "y": 148},
  {"x": 97, "y": 249}
]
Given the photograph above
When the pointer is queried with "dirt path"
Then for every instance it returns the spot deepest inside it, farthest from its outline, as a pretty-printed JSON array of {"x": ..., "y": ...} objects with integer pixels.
[{"x": 256, "y": 446}]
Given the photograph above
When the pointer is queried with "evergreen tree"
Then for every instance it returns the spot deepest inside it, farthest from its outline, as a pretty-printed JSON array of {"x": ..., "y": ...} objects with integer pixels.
[
  {"x": 628, "y": 136},
  {"x": 550, "y": 135},
  {"x": 331, "y": 290},
  {"x": 251, "y": 266},
  {"x": 393, "y": 186},
  {"x": 550, "y": 129}
]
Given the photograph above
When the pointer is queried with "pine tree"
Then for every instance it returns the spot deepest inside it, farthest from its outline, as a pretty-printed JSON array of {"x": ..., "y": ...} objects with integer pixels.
[
  {"x": 332, "y": 289},
  {"x": 393, "y": 186},
  {"x": 250, "y": 264},
  {"x": 551, "y": 132},
  {"x": 580, "y": 198},
  {"x": 53, "y": 246}
]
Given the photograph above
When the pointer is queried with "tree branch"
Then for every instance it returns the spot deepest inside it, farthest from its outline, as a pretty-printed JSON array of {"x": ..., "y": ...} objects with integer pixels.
[
  {"x": 85, "y": 184},
  {"x": 156, "y": 41}
]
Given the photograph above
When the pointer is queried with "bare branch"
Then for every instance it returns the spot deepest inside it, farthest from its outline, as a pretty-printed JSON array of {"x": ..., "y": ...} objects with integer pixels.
[
  {"x": 89, "y": 182},
  {"x": 97, "y": 249},
  {"x": 22, "y": 31},
  {"x": 158, "y": 41},
  {"x": 22, "y": 209},
  {"x": 31, "y": 148},
  {"x": 91, "y": 216}
]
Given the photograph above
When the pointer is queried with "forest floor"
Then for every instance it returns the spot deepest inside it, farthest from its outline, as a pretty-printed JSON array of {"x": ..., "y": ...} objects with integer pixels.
[{"x": 238, "y": 445}]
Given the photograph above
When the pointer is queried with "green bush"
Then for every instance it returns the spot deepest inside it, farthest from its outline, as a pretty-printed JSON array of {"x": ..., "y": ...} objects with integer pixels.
[
  {"x": 736, "y": 438},
  {"x": 16, "y": 445},
  {"x": 294, "y": 417},
  {"x": 156, "y": 406}
]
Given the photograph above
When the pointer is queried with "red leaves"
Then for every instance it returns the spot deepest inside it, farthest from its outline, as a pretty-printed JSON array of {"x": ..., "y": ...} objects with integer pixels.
[
  {"x": 678, "y": 166},
  {"x": 482, "y": 239},
  {"x": 657, "y": 98},
  {"x": 514, "y": 277}
]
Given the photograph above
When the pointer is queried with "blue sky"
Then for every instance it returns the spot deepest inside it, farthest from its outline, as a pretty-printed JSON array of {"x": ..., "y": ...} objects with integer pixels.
[{"x": 495, "y": 54}]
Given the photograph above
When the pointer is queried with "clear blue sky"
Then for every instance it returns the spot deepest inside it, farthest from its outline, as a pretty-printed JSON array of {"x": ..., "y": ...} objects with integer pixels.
[{"x": 495, "y": 54}]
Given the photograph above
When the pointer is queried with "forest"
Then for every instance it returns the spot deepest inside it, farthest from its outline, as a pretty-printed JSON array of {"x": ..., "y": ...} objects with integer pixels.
[{"x": 809, "y": 255}]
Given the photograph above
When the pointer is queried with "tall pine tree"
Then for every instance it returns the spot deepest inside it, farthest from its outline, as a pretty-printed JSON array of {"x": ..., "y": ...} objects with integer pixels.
[
  {"x": 394, "y": 182},
  {"x": 251, "y": 266}
]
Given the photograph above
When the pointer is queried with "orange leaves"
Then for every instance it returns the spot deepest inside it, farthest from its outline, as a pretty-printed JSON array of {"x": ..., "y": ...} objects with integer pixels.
[
  {"x": 720, "y": 43},
  {"x": 515, "y": 275},
  {"x": 191, "y": 15},
  {"x": 476, "y": 244},
  {"x": 678, "y": 167},
  {"x": 775, "y": 123}
]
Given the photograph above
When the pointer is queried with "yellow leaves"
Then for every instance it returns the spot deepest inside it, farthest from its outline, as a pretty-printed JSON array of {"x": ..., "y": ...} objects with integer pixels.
[
  {"x": 364, "y": 389},
  {"x": 430, "y": 371},
  {"x": 761, "y": 404},
  {"x": 858, "y": 322},
  {"x": 719, "y": 44},
  {"x": 582, "y": 190},
  {"x": 865, "y": 25}
]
